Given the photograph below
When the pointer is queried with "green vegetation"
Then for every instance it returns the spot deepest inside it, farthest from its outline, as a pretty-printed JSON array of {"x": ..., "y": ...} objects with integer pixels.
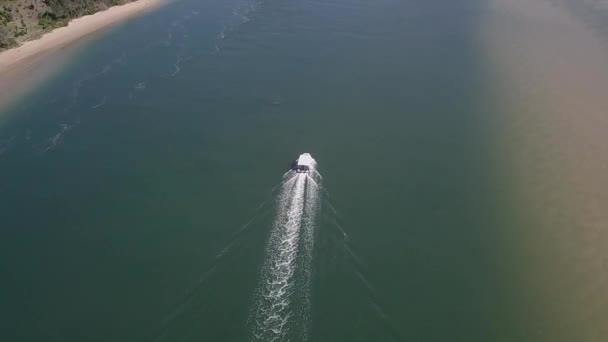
[
  {"x": 59, "y": 12},
  {"x": 49, "y": 21},
  {"x": 6, "y": 39},
  {"x": 5, "y": 17},
  {"x": 77, "y": 8},
  {"x": 21, "y": 20}
]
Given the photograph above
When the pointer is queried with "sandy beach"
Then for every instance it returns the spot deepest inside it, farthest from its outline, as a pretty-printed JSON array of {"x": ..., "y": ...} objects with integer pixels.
[{"x": 20, "y": 67}]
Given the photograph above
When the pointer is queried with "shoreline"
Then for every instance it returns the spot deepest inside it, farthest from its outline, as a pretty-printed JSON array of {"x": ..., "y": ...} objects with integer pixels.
[{"x": 20, "y": 66}]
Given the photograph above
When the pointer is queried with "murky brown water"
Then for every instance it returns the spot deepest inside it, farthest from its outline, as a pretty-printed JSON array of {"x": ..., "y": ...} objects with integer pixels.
[{"x": 550, "y": 71}]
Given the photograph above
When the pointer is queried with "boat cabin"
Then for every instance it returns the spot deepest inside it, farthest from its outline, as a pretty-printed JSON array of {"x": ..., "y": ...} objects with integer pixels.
[{"x": 304, "y": 163}]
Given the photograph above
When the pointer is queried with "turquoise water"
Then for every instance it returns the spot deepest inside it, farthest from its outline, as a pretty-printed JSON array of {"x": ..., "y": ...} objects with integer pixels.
[{"x": 141, "y": 185}]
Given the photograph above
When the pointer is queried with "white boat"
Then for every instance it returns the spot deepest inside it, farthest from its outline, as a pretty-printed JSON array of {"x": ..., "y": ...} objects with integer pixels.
[{"x": 304, "y": 164}]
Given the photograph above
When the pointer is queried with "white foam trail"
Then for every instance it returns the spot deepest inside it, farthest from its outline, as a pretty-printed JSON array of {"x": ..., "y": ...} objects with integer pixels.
[
  {"x": 177, "y": 66},
  {"x": 101, "y": 103},
  {"x": 284, "y": 290},
  {"x": 222, "y": 34},
  {"x": 243, "y": 14},
  {"x": 57, "y": 138},
  {"x": 311, "y": 208}
]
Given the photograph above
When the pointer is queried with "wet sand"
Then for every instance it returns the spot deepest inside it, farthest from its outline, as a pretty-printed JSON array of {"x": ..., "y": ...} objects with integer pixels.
[
  {"x": 550, "y": 72},
  {"x": 24, "y": 66}
]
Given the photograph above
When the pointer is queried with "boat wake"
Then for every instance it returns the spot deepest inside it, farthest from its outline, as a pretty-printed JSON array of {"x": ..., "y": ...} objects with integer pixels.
[{"x": 282, "y": 301}]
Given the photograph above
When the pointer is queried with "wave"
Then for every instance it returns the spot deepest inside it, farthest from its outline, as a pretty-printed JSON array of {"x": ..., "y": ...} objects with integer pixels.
[
  {"x": 100, "y": 103},
  {"x": 241, "y": 13},
  {"x": 56, "y": 139}
]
